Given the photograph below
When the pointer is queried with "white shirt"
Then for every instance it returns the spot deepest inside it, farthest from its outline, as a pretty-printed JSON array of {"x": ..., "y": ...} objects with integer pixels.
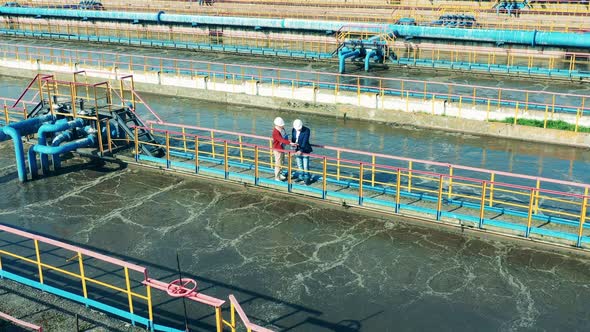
[{"x": 297, "y": 135}]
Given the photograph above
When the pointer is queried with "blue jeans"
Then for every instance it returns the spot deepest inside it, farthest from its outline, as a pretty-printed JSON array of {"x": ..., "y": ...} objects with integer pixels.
[{"x": 303, "y": 166}]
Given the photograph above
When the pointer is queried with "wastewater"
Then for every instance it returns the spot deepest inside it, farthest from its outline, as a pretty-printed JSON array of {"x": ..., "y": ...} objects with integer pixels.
[{"x": 302, "y": 265}]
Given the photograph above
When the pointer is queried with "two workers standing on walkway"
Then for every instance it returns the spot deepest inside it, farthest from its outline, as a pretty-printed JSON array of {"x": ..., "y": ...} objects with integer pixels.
[{"x": 299, "y": 142}]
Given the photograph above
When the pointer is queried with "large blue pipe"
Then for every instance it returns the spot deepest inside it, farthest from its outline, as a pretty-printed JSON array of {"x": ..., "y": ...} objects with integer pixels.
[
  {"x": 370, "y": 54},
  {"x": 16, "y": 131},
  {"x": 342, "y": 59},
  {"x": 57, "y": 150},
  {"x": 3, "y": 136},
  {"x": 60, "y": 125},
  {"x": 559, "y": 39}
]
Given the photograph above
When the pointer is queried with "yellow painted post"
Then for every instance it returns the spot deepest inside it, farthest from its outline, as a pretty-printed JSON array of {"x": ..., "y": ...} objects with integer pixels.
[
  {"x": 582, "y": 218},
  {"x": 398, "y": 188},
  {"x": 128, "y": 285},
  {"x": 361, "y": 180},
  {"x": 218, "y": 319},
  {"x": 407, "y": 101},
  {"x": 184, "y": 138},
  {"x": 410, "y": 176},
  {"x": 256, "y": 164},
  {"x": 545, "y": 118},
  {"x": 197, "y": 154},
  {"x": 167, "y": 149},
  {"x": 516, "y": 113},
  {"x": 358, "y": 89},
  {"x": 577, "y": 120},
  {"x": 526, "y": 107},
  {"x": 150, "y": 309},
  {"x": 241, "y": 149},
  {"x": 324, "y": 178},
  {"x": 482, "y": 203},
  {"x": 433, "y": 104},
  {"x": 552, "y": 106},
  {"x": 212, "y": 144},
  {"x": 109, "y": 138},
  {"x": 492, "y": 177},
  {"x": 136, "y": 143},
  {"x": 450, "y": 192},
  {"x": 439, "y": 199},
  {"x": 373, "y": 171},
  {"x": 233, "y": 317},
  {"x": 338, "y": 165},
  {"x": 530, "y": 213},
  {"x": 225, "y": 159},
  {"x": 82, "y": 275},
  {"x": 270, "y": 157},
  {"x": 7, "y": 119},
  {"x": 38, "y": 261},
  {"x": 538, "y": 186},
  {"x": 460, "y": 105},
  {"x": 289, "y": 170}
]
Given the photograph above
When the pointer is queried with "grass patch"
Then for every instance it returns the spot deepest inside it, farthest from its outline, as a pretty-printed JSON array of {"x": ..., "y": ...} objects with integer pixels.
[{"x": 551, "y": 124}]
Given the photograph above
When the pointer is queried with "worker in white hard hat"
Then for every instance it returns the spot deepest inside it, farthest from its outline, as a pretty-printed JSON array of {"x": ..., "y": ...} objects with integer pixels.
[
  {"x": 300, "y": 135},
  {"x": 279, "y": 139}
]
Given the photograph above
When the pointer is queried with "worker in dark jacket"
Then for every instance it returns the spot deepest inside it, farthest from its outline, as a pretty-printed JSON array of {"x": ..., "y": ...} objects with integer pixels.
[{"x": 300, "y": 135}]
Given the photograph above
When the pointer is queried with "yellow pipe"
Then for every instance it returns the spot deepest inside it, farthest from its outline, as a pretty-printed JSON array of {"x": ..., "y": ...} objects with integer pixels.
[
  {"x": 136, "y": 141},
  {"x": 361, "y": 179},
  {"x": 582, "y": 214},
  {"x": 213, "y": 144},
  {"x": 225, "y": 157},
  {"x": 256, "y": 162}
]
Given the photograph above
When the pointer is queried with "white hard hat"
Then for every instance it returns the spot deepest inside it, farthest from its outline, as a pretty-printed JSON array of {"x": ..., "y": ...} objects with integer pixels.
[
  {"x": 297, "y": 124},
  {"x": 279, "y": 121}
]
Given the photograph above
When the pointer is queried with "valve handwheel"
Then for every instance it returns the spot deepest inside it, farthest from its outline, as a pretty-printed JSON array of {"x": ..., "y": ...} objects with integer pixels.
[{"x": 181, "y": 287}]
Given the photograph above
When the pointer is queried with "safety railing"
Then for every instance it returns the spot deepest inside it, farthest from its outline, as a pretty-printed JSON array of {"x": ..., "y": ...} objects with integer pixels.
[
  {"x": 111, "y": 285},
  {"x": 487, "y": 199},
  {"x": 180, "y": 37},
  {"x": 464, "y": 95},
  {"x": 560, "y": 64},
  {"x": 42, "y": 263},
  {"x": 236, "y": 308},
  {"x": 21, "y": 323}
]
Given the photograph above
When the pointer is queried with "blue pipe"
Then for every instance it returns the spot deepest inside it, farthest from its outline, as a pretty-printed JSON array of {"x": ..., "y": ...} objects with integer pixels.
[
  {"x": 3, "y": 136},
  {"x": 368, "y": 57},
  {"x": 561, "y": 39},
  {"x": 57, "y": 150},
  {"x": 60, "y": 125},
  {"x": 16, "y": 131},
  {"x": 67, "y": 136},
  {"x": 342, "y": 59}
]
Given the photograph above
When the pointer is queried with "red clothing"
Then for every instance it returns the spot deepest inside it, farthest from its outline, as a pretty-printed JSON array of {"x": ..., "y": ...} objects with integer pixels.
[{"x": 277, "y": 140}]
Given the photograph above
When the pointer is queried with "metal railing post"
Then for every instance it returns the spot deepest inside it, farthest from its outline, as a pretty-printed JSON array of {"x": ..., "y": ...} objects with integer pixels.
[
  {"x": 129, "y": 296},
  {"x": 482, "y": 204},
  {"x": 324, "y": 178},
  {"x": 439, "y": 198},
  {"x": 361, "y": 177},
  {"x": 530, "y": 213},
  {"x": 197, "y": 154},
  {"x": 256, "y": 167},
  {"x": 225, "y": 160}
]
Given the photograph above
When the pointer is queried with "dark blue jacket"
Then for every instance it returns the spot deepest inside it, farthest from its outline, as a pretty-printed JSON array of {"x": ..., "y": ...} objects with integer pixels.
[{"x": 303, "y": 141}]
